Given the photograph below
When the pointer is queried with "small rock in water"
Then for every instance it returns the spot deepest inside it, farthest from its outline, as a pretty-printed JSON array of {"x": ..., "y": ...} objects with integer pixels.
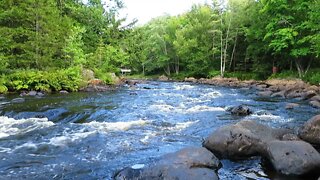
[
  {"x": 291, "y": 105},
  {"x": 64, "y": 92},
  {"x": 32, "y": 93},
  {"x": 315, "y": 104},
  {"x": 240, "y": 110}
]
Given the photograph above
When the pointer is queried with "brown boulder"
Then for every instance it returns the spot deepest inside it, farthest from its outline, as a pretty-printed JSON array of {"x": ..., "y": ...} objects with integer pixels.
[{"x": 310, "y": 131}]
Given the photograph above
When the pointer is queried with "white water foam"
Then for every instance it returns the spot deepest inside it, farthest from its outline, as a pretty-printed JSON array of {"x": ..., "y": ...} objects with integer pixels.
[
  {"x": 199, "y": 108},
  {"x": 115, "y": 126},
  {"x": 181, "y": 126},
  {"x": 70, "y": 138},
  {"x": 10, "y": 126},
  {"x": 183, "y": 87},
  {"x": 211, "y": 95}
]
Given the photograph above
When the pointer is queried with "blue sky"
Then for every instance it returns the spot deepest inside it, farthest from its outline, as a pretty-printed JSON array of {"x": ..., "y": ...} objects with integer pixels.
[{"x": 145, "y": 10}]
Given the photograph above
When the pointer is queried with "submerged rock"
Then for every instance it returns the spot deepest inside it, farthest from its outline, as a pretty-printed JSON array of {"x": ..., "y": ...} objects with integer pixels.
[
  {"x": 246, "y": 138},
  {"x": 310, "y": 131},
  {"x": 187, "y": 164},
  {"x": 291, "y": 105},
  {"x": 18, "y": 100},
  {"x": 240, "y": 110},
  {"x": 293, "y": 157}
]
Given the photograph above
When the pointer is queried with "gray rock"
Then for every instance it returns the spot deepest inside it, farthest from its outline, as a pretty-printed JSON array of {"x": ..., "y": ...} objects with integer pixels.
[
  {"x": 315, "y": 104},
  {"x": 265, "y": 93},
  {"x": 308, "y": 95},
  {"x": 18, "y": 100},
  {"x": 246, "y": 138},
  {"x": 32, "y": 93},
  {"x": 293, "y": 157},
  {"x": 40, "y": 94},
  {"x": 294, "y": 94},
  {"x": 279, "y": 94},
  {"x": 63, "y": 92},
  {"x": 240, "y": 110},
  {"x": 189, "y": 163},
  {"x": 315, "y": 98},
  {"x": 291, "y": 105},
  {"x": 310, "y": 131},
  {"x": 290, "y": 137}
]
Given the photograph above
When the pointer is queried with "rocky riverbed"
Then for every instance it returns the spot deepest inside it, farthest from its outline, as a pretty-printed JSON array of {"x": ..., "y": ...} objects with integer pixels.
[{"x": 160, "y": 129}]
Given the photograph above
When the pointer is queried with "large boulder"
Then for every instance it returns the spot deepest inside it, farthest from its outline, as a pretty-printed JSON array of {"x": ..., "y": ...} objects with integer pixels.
[
  {"x": 293, "y": 157},
  {"x": 190, "y": 79},
  {"x": 243, "y": 139},
  {"x": 240, "y": 110},
  {"x": 310, "y": 131},
  {"x": 189, "y": 163}
]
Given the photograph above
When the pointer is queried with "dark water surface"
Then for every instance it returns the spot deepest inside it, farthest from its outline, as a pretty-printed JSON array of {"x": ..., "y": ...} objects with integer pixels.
[{"x": 91, "y": 135}]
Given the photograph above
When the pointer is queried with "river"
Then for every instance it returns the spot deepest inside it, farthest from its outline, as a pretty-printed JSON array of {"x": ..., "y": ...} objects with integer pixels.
[{"x": 92, "y": 135}]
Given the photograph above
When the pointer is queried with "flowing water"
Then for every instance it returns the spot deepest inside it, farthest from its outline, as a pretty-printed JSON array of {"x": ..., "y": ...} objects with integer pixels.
[{"x": 92, "y": 135}]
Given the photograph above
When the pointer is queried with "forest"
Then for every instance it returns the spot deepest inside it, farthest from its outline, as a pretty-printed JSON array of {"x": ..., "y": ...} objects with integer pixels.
[{"x": 46, "y": 45}]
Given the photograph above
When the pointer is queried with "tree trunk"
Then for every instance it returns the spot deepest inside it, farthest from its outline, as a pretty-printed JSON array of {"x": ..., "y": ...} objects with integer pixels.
[{"x": 233, "y": 50}]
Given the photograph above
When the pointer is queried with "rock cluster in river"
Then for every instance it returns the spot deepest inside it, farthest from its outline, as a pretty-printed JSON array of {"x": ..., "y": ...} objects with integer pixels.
[
  {"x": 294, "y": 88},
  {"x": 288, "y": 154}
]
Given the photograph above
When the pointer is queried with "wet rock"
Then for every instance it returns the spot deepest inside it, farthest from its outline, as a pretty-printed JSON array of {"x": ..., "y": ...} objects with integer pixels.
[
  {"x": 310, "y": 131},
  {"x": 32, "y": 93},
  {"x": 308, "y": 95},
  {"x": 2, "y": 97},
  {"x": 246, "y": 138},
  {"x": 163, "y": 78},
  {"x": 265, "y": 93},
  {"x": 261, "y": 87},
  {"x": 290, "y": 137},
  {"x": 190, "y": 163},
  {"x": 132, "y": 82},
  {"x": 23, "y": 93},
  {"x": 274, "y": 88},
  {"x": 191, "y": 79},
  {"x": 133, "y": 94},
  {"x": 315, "y": 98},
  {"x": 40, "y": 94},
  {"x": 291, "y": 105},
  {"x": 315, "y": 104},
  {"x": 18, "y": 100},
  {"x": 63, "y": 92},
  {"x": 294, "y": 94},
  {"x": 279, "y": 94},
  {"x": 240, "y": 110},
  {"x": 293, "y": 157}
]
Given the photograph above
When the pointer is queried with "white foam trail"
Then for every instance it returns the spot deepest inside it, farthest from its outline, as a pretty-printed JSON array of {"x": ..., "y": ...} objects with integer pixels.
[
  {"x": 10, "y": 126},
  {"x": 214, "y": 94},
  {"x": 183, "y": 87},
  {"x": 69, "y": 138},
  {"x": 199, "y": 108},
  {"x": 181, "y": 126},
  {"x": 115, "y": 126},
  {"x": 162, "y": 107}
]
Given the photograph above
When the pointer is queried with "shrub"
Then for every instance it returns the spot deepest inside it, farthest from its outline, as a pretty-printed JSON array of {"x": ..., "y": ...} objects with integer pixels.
[
  {"x": 3, "y": 88},
  {"x": 54, "y": 80},
  {"x": 104, "y": 76},
  {"x": 313, "y": 77}
]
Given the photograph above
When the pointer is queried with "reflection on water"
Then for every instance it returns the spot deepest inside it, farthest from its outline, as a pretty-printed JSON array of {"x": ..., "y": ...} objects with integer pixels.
[{"x": 91, "y": 135}]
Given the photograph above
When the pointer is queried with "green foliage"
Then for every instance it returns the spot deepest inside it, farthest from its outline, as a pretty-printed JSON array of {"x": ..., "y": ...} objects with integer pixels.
[
  {"x": 243, "y": 75},
  {"x": 3, "y": 88},
  {"x": 313, "y": 77},
  {"x": 284, "y": 75},
  {"x": 213, "y": 74},
  {"x": 55, "y": 80},
  {"x": 104, "y": 76}
]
